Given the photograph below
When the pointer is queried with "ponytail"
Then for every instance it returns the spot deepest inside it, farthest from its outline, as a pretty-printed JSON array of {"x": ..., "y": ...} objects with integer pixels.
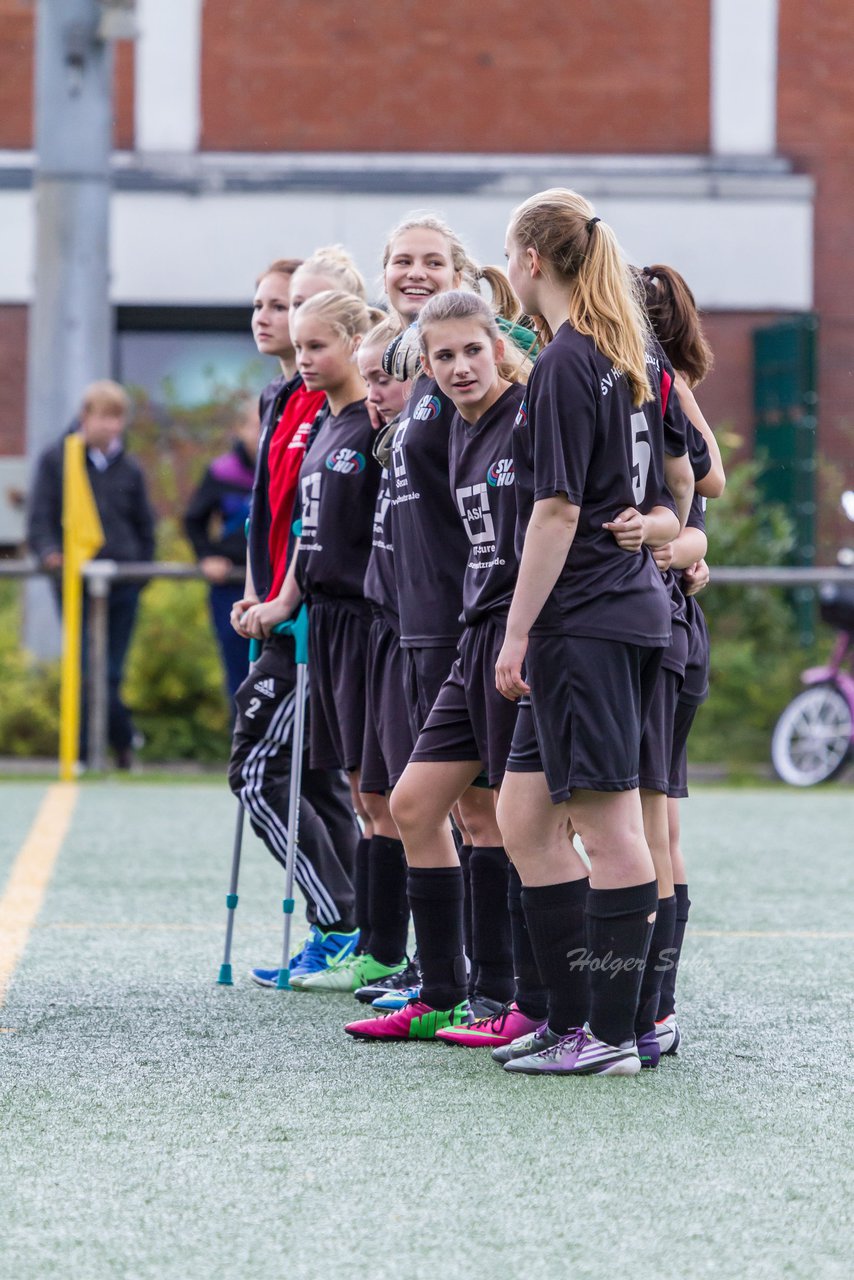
[
  {"x": 504, "y": 300},
  {"x": 675, "y": 320},
  {"x": 580, "y": 249}
]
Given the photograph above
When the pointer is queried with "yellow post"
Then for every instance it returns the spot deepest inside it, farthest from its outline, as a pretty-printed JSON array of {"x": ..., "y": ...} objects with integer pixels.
[{"x": 82, "y": 537}]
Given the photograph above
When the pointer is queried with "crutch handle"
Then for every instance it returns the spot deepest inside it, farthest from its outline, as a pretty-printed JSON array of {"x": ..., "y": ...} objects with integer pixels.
[{"x": 298, "y": 628}]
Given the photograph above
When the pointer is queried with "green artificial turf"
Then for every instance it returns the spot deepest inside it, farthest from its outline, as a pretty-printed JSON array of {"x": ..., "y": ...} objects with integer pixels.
[{"x": 155, "y": 1125}]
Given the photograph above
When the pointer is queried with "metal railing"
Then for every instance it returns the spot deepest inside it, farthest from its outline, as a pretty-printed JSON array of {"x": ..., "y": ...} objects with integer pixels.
[{"x": 99, "y": 575}]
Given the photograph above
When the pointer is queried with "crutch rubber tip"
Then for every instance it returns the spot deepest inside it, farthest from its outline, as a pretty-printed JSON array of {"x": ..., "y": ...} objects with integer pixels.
[
  {"x": 231, "y": 901},
  {"x": 225, "y": 979},
  {"x": 283, "y": 981}
]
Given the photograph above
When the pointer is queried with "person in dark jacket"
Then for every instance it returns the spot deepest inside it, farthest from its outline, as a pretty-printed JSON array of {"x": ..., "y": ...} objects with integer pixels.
[
  {"x": 118, "y": 486},
  {"x": 215, "y": 525}
]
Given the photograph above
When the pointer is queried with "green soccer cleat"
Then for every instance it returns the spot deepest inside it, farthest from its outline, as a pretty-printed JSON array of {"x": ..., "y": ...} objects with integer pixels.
[{"x": 351, "y": 974}]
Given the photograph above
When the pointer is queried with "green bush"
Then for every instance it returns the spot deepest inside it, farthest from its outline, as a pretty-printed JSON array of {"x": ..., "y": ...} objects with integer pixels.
[
  {"x": 174, "y": 677},
  {"x": 756, "y": 655},
  {"x": 29, "y": 690}
]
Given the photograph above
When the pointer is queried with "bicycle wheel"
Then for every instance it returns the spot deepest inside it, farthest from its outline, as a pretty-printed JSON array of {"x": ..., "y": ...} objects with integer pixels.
[{"x": 812, "y": 737}]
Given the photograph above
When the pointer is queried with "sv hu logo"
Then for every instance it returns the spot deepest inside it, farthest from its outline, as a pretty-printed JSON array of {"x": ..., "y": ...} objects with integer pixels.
[
  {"x": 346, "y": 462},
  {"x": 428, "y": 408},
  {"x": 501, "y": 473}
]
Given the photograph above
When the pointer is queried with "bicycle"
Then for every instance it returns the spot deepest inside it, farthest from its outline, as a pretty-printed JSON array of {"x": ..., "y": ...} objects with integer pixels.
[{"x": 813, "y": 737}]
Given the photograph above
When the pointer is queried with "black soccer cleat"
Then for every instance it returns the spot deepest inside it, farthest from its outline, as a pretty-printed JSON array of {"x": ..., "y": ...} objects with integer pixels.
[{"x": 408, "y": 977}]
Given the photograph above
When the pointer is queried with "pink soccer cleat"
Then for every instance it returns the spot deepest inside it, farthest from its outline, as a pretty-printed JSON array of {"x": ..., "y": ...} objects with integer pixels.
[
  {"x": 415, "y": 1021},
  {"x": 498, "y": 1028}
]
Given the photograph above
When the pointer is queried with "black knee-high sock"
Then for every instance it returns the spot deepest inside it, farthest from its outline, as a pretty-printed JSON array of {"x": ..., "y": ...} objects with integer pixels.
[
  {"x": 361, "y": 876},
  {"x": 531, "y": 996},
  {"x": 436, "y": 899},
  {"x": 389, "y": 905},
  {"x": 657, "y": 964},
  {"x": 464, "y": 854},
  {"x": 619, "y": 929},
  {"x": 555, "y": 916},
  {"x": 667, "y": 999},
  {"x": 492, "y": 952}
]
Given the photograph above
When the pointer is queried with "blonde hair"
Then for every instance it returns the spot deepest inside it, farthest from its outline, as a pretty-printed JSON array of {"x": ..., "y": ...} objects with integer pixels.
[
  {"x": 583, "y": 251},
  {"x": 335, "y": 262},
  {"x": 281, "y": 267},
  {"x": 384, "y": 332},
  {"x": 107, "y": 397},
  {"x": 457, "y": 304},
  {"x": 349, "y": 316},
  {"x": 504, "y": 300}
]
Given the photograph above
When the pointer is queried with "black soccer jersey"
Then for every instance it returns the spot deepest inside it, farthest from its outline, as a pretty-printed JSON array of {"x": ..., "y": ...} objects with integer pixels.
[
  {"x": 666, "y": 433},
  {"x": 674, "y": 421},
  {"x": 701, "y": 459},
  {"x": 482, "y": 484},
  {"x": 696, "y": 686},
  {"x": 578, "y": 434},
  {"x": 380, "y": 585},
  {"x": 338, "y": 484},
  {"x": 431, "y": 548}
]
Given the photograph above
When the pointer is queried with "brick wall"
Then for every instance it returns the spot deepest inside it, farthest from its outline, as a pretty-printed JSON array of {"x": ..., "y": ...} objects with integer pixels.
[
  {"x": 726, "y": 395},
  {"x": 455, "y": 75},
  {"x": 17, "y": 24},
  {"x": 16, "y": 72},
  {"x": 816, "y": 129}
]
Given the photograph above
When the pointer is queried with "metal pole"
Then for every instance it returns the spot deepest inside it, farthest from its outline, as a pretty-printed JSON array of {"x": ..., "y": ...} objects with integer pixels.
[
  {"x": 98, "y": 588},
  {"x": 70, "y": 321}
]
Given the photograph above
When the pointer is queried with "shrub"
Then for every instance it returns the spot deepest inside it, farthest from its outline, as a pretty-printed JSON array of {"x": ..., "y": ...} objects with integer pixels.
[
  {"x": 756, "y": 656},
  {"x": 174, "y": 677},
  {"x": 29, "y": 706}
]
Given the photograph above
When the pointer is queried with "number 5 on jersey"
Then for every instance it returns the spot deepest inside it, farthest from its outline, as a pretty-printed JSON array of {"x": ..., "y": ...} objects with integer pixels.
[{"x": 641, "y": 456}]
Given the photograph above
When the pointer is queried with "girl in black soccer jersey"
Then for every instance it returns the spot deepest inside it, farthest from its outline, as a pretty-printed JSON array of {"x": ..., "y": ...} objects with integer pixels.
[
  {"x": 424, "y": 258},
  {"x": 673, "y": 313},
  {"x": 657, "y": 742},
  {"x": 381, "y": 887},
  {"x": 338, "y": 481},
  {"x": 588, "y": 622},
  {"x": 468, "y": 732},
  {"x": 648, "y": 523}
]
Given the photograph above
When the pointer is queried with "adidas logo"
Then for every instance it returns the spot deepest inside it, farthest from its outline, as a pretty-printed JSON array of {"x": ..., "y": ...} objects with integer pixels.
[{"x": 267, "y": 687}]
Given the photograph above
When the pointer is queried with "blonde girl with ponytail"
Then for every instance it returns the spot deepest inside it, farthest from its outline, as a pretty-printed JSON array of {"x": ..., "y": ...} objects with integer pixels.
[{"x": 588, "y": 624}]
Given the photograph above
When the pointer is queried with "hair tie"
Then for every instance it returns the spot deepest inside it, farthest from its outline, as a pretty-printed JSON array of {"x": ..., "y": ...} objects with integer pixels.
[{"x": 592, "y": 223}]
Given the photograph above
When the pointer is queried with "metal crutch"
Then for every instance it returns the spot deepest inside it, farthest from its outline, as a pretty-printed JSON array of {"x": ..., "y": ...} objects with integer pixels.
[
  {"x": 298, "y": 628},
  {"x": 225, "y": 979}
]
